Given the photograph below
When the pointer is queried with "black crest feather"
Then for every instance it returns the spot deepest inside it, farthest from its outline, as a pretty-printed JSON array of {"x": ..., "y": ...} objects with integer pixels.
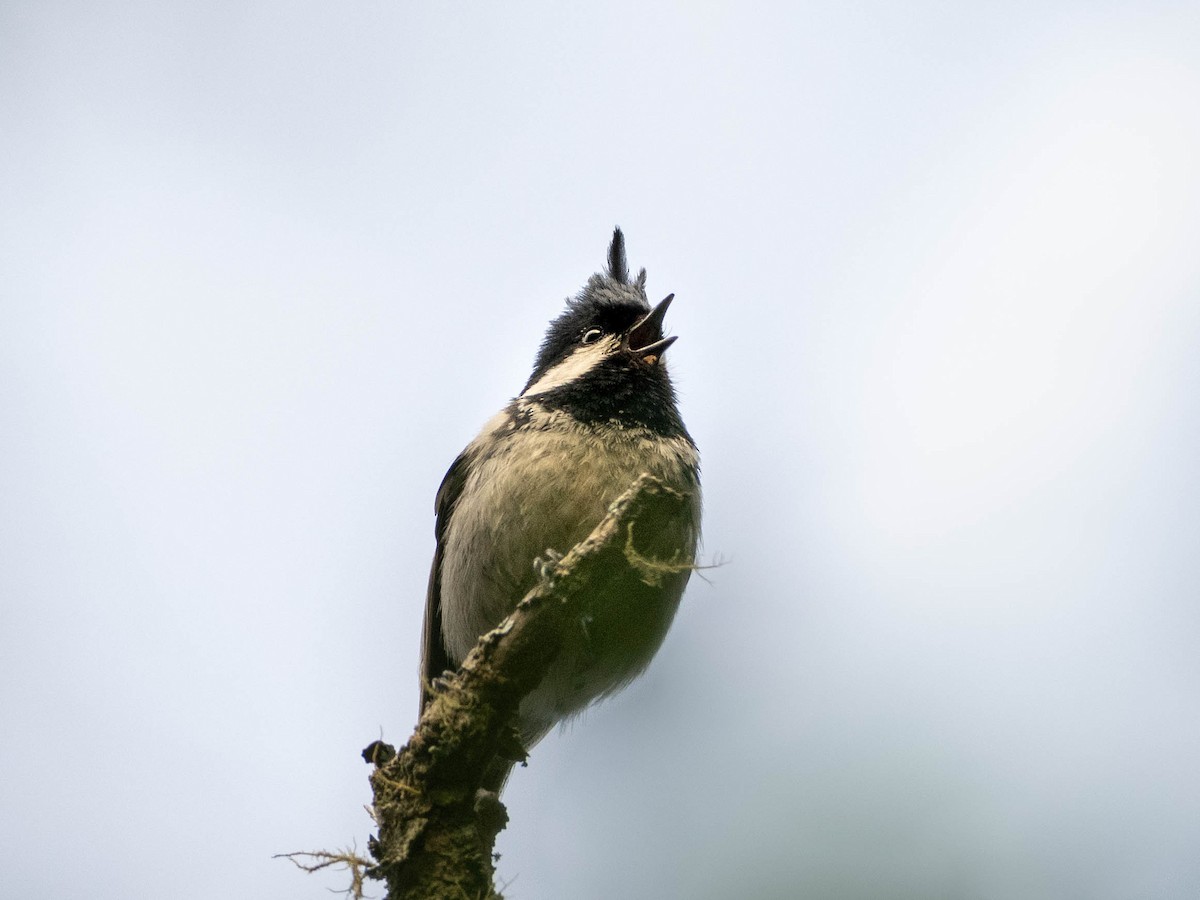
[
  {"x": 618, "y": 269},
  {"x": 609, "y": 301}
]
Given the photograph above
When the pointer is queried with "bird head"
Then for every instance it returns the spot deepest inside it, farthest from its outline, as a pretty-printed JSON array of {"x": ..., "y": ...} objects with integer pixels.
[{"x": 603, "y": 358}]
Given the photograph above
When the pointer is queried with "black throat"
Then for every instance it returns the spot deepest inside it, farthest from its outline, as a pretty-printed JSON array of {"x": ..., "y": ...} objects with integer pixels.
[{"x": 615, "y": 392}]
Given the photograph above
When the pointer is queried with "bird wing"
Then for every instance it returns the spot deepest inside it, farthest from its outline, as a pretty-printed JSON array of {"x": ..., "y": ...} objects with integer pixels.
[{"x": 435, "y": 659}]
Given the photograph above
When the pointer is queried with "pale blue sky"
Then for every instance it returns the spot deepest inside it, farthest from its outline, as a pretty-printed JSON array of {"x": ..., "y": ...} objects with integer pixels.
[{"x": 266, "y": 267}]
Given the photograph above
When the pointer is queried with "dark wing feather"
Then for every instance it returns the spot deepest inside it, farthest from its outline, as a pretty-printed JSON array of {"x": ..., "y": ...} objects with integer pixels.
[{"x": 434, "y": 657}]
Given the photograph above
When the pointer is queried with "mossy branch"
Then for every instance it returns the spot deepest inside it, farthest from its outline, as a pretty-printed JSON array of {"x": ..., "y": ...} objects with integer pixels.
[{"x": 436, "y": 830}]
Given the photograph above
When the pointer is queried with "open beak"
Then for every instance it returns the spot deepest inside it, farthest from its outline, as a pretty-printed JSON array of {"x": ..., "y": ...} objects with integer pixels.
[{"x": 645, "y": 338}]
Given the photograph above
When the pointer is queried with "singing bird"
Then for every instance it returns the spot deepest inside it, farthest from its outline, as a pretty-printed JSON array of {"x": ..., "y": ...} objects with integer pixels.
[{"x": 598, "y": 410}]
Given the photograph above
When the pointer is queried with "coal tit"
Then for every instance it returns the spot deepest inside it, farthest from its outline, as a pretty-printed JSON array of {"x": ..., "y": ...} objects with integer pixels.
[{"x": 598, "y": 410}]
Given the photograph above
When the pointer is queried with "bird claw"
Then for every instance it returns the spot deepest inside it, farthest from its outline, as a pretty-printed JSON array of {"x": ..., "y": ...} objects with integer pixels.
[
  {"x": 545, "y": 564},
  {"x": 440, "y": 683}
]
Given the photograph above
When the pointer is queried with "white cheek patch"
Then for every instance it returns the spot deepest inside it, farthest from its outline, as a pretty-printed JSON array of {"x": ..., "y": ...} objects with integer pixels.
[{"x": 578, "y": 364}]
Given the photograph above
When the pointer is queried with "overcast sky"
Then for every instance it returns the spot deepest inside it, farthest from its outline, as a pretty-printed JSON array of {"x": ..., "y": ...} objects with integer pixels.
[{"x": 265, "y": 268}]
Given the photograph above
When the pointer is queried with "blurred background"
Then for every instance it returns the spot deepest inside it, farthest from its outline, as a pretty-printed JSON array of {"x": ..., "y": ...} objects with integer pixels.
[{"x": 266, "y": 267}]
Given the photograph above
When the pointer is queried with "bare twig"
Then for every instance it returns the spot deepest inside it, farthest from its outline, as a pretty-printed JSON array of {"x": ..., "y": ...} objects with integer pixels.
[{"x": 324, "y": 859}]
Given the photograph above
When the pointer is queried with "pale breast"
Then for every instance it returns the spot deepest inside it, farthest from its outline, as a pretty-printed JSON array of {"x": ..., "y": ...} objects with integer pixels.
[{"x": 544, "y": 483}]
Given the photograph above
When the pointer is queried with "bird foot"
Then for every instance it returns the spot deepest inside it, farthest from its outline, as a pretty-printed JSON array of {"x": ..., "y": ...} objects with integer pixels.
[
  {"x": 440, "y": 683},
  {"x": 545, "y": 564}
]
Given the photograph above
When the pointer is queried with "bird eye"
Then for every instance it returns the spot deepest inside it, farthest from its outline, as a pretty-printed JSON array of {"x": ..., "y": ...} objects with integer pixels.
[{"x": 591, "y": 336}]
